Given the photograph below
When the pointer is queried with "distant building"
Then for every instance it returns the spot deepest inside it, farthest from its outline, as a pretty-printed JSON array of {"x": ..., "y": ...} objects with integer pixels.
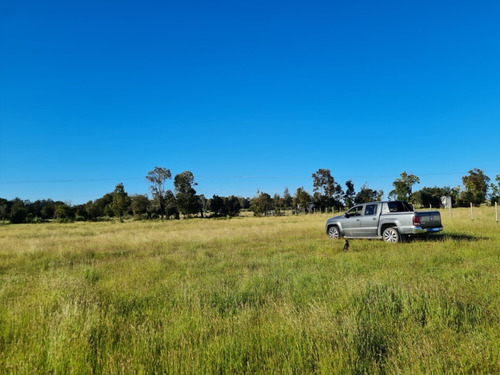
[{"x": 446, "y": 202}]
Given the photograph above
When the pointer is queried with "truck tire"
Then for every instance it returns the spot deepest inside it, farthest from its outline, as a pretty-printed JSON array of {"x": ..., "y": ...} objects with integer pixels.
[
  {"x": 333, "y": 232},
  {"x": 391, "y": 234}
]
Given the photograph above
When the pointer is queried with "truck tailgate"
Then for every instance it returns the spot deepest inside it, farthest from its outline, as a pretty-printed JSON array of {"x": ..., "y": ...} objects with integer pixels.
[{"x": 429, "y": 219}]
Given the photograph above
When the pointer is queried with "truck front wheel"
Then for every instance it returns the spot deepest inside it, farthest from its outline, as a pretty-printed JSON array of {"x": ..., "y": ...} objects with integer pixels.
[
  {"x": 391, "y": 234},
  {"x": 333, "y": 232}
]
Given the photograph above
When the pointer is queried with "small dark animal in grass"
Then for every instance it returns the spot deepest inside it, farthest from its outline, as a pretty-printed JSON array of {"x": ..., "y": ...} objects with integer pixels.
[{"x": 346, "y": 245}]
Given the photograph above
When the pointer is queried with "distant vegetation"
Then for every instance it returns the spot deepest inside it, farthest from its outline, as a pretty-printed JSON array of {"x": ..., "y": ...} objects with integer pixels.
[{"x": 183, "y": 201}]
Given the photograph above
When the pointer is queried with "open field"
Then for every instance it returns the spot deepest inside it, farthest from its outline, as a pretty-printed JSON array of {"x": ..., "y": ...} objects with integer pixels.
[{"x": 248, "y": 295}]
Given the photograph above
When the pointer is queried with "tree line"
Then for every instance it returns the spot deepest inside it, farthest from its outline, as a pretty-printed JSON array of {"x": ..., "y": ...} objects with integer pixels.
[{"x": 183, "y": 201}]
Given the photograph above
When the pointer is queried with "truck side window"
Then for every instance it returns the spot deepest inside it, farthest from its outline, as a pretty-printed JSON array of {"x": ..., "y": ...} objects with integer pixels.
[
  {"x": 355, "y": 211},
  {"x": 371, "y": 209}
]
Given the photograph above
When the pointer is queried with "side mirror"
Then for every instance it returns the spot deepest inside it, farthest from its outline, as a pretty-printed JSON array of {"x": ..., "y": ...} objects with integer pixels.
[{"x": 347, "y": 215}]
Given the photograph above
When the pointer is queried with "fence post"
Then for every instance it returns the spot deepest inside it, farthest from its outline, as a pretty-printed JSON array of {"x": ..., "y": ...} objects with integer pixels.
[
  {"x": 471, "y": 212},
  {"x": 496, "y": 210}
]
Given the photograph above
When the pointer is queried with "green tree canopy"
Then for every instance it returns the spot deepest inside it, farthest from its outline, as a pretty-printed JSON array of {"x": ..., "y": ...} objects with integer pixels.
[
  {"x": 349, "y": 194},
  {"x": 18, "y": 211},
  {"x": 216, "y": 205},
  {"x": 187, "y": 201},
  {"x": 403, "y": 186},
  {"x": 157, "y": 178},
  {"x": 476, "y": 187},
  {"x": 121, "y": 201},
  {"x": 171, "y": 209},
  {"x": 430, "y": 196},
  {"x": 323, "y": 182},
  {"x": 495, "y": 190},
  {"x": 287, "y": 198},
  {"x": 4, "y": 209},
  {"x": 365, "y": 195},
  {"x": 301, "y": 200},
  {"x": 64, "y": 212},
  {"x": 140, "y": 205},
  {"x": 261, "y": 204},
  {"x": 233, "y": 206}
]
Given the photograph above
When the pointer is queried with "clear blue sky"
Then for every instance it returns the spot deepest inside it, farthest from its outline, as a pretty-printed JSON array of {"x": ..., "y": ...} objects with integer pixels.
[{"x": 246, "y": 95}]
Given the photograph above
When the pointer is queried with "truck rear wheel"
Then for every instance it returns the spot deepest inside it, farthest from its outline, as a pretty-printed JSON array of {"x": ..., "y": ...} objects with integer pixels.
[{"x": 391, "y": 234}]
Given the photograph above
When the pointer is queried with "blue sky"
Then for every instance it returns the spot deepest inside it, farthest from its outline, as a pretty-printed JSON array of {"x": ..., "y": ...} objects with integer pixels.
[{"x": 246, "y": 95}]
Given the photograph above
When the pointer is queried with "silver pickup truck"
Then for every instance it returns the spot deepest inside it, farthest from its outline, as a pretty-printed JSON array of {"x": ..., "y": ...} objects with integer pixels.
[{"x": 390, "y": 221}]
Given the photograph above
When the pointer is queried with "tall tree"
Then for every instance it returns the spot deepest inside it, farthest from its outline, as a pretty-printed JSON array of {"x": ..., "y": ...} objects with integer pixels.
[
  {"x": 157, "y": 178},
  {"x": 216, "y": 205},
  {"x": 121, "y": 201},
  {"x": 80, "y": 212},
  {"x": 18, "y": 211},
  {"x": 261, "y": 204},
  {"x": 429, "y": 196},
  {"x": 349, "y": 194},
  {"x": 338, "y": 195},
  {"x": 64, "y": 212},
  {"x": 287, "y": 199},
  {"x": 365, "y": 195},
  {"x": 140, "y": 205},
  {"x": 323, "y": 182},
  {"x": 233, "y": 206},
  {"x": 202, "y": 204},
  {"x": 187, "y": 201},
  {"x": 278, "y": 204},
  {"x": 171, "y": 209},
  {"x": 92, "y": 210},
  {"x": 321, "y": 202},
  {"x": 48, "y": 210},
  {"x": 403, "y": 186},
  {"x": 380, "y": 195},
  {"x": 302, "y": 200},
  {"x": 476, "y": 186},
  {"x": 330, "y": 192},
  {"x": 103, "y": 205},
  {"x": 4, "y": 208},
  {"x": 244, "y": 202},
  {"x": 495, "y": 190}
]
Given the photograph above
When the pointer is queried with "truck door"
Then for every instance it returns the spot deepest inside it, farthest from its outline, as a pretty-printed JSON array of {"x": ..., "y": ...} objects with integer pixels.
[
  {"x": 351, "y": 224},
  {"x": 369, "y": 221}
]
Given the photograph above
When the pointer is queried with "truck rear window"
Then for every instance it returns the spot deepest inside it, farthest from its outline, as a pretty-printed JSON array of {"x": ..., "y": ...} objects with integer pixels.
[{"x": 399, "y": 207}]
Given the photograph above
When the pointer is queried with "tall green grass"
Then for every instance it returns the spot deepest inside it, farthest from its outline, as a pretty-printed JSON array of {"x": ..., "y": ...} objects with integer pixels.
[{"x": 248, "y": 295}]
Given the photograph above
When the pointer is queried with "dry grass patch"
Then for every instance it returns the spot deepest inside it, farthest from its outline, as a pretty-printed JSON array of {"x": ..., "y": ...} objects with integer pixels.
[{"x": 255, "y": 295}]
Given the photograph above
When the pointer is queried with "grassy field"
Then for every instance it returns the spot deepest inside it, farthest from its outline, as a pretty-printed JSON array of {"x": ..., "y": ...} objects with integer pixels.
[{"x": 248, "y": 295}]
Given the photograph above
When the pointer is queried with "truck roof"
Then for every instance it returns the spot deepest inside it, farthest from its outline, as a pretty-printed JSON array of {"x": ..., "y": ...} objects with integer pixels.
[{"x": 394, "y": 206}]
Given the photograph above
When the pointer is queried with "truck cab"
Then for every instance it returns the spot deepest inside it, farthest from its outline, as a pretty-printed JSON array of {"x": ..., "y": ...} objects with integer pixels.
[{"x": 361, "y": 220}]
